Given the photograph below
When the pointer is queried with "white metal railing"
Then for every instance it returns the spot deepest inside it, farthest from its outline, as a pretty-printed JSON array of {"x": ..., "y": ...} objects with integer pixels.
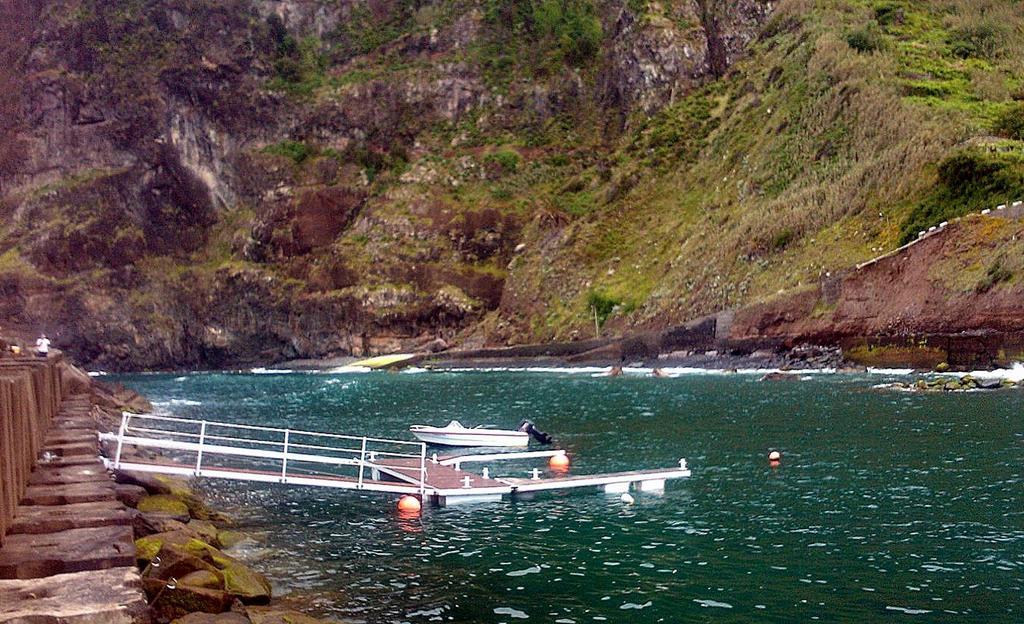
[{"x": 286, "y": 446}]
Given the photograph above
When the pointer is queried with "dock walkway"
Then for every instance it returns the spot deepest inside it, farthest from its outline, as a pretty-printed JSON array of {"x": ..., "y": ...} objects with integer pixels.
[{"x": 198, "y": 448}]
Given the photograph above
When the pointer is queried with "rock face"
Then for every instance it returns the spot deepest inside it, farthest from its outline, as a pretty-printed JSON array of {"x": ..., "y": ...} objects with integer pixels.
[
  {"x": 216, "y": 183},
  {"x": 934, "y": 303}
]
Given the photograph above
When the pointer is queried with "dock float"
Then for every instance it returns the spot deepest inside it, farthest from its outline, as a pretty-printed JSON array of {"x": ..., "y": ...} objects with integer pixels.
[{"x": 218, "y": 450}]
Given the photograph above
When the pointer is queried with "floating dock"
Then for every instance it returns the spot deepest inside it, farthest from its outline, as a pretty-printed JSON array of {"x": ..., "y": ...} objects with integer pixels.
[{"x": 200, "y": 448}]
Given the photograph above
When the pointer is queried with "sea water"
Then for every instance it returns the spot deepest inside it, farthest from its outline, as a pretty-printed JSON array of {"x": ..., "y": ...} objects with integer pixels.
[{"x": 887, "y": 506}]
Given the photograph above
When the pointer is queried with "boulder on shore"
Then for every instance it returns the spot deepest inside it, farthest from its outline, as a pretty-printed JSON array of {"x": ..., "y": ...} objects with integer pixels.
[
  {"x": 169, "y": 601},
  {"x": 185, "y": 554},
  {"x": 210, "y": 618},
  {"x": 165, "y": 504}
]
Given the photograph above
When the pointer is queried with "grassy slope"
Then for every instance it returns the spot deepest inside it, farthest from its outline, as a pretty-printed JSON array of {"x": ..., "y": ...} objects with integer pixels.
[
  {"x": 815, "y": 156},
  {"x": 819, "y": 150}
]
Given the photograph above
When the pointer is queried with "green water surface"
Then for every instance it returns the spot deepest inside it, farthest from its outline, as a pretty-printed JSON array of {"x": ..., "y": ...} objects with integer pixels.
[{"x": 888, "y": 506}]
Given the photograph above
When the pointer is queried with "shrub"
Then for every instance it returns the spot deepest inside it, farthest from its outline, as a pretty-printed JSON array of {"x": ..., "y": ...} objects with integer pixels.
[
  {"x": 1010, "y": 123},
  {"x": 297, "y": 151},
  {"x": 560, "y": 30},
  {"x": 995, "y": 274},
  {"x": 298, "y": 65},
  {"x": 502, "y": 193},
  {"x": 975, "y": 41},
  {"x": 677, "y": 133},
  {"x": 578, "y": 204},
  {"x": 506, "y": 160},
  {"x": 558, "y": 160},
  {"x": 889, "y": 13},
  {"x": 782, "y": 239},
  {"x": 867, "y": 39},
  {"x": 969, "y": 181},
  {"x": 602, "y": 305}
]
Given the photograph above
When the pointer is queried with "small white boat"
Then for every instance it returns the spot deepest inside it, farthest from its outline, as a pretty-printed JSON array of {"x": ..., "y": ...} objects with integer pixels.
[{"x": 455, "y": 434}]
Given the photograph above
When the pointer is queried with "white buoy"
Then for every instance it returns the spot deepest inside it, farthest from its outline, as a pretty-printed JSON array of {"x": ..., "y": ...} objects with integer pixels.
[{"x": 626, "y": 498}]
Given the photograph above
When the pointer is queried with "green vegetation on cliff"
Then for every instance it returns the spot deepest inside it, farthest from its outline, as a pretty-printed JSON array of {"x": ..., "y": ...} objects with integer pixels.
[{"x": 364, "y": 178}]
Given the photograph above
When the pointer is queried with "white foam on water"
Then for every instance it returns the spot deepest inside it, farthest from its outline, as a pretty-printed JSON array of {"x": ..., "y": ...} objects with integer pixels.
[
  {"x": 713, "y": 603},
  {"x": 414, "y": 370},
  {"x": 515, "y": 613},
  {"x": 259, "y": 370},
  {"x": 98, "y": 373},
  {"x": 531, "y": 570},
  {"x": 907, "y": 610},
  {"x": 577, "y": 370},
  {"x": 1014, "y": 374},
  {"x": 176, "y": 402},
  {"x": 668, "y": 371}
]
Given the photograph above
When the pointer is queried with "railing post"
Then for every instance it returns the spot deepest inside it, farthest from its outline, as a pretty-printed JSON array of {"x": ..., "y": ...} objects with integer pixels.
[
  {"x": 284, "y": 458},
  {"x": 199, "y": 455},
  {"x": 423, "y": 470},
  {"x": 120, "y": 438},
  {"x": 362, "y": 464}
]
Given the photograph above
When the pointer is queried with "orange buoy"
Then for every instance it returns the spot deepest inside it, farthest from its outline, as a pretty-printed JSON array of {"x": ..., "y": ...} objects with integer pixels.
[
  {"x": 409, "y": 504},
  {"x": 774, "y": 457},
  {"x": 559, "y": 462}
]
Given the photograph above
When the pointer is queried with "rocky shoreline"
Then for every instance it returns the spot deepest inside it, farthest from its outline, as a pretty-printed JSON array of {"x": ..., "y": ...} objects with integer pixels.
[
  {"x": 181, "y": 558},
  {"x": 183, "y": 547}
]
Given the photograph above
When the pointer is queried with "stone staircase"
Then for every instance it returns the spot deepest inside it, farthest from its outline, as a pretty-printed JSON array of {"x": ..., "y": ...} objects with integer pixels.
[{"x": 69, "y": 554}]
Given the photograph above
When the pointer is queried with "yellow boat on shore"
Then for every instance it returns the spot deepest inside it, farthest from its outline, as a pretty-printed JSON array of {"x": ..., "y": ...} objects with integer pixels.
[{"x": 384, "y": 361}]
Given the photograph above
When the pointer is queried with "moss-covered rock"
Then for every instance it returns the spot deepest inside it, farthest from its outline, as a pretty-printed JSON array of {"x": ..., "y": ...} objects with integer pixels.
[
  {"x": 174, "y": 600},
  {"x": 229, "y": 539},
  {"x": 175, "y": 562},
  {"x": 166, "y": 504},
  {"x": 276, "y": 615},
  {"x": 211, "y": 618},
  {"x": 184, "y": 553},
  {"x": 180, "y": 489},
  {"x": 148, "y": 547},
  {"x": 240, "y": 580},
  {"x": 203, "y": 578},
  {"x": 204, "y": 530}
]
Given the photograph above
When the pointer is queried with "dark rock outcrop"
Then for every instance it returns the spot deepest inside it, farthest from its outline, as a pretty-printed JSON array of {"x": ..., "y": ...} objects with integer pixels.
[{"x": 199, "y": 184}]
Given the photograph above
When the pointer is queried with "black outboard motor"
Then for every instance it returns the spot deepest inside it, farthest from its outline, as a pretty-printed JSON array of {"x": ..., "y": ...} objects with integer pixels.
[{"x": 538, "y": 435}]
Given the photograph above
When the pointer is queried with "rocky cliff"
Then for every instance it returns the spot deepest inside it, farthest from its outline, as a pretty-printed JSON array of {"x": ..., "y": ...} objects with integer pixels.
[{"x": 198, "y": 183}]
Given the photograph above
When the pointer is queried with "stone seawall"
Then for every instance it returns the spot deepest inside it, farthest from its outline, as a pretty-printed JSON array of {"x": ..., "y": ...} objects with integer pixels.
[{"x": 31, "y": 391}]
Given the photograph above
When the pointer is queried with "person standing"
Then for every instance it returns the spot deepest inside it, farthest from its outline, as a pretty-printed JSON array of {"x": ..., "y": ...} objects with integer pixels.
[{"x": 43, "y": 346}]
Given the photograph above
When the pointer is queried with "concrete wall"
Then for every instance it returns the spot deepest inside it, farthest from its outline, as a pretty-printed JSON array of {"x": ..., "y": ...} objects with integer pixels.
[{"x": 30, "y": 395}]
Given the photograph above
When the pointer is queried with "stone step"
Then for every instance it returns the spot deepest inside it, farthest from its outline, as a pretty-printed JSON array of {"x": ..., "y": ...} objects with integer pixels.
[
  {"x": 68, "y": 450},
  {"x": 75, "y": 550},
  {"x": 96, "y": 597},
  {"x": 73, "y": 425},
  {"x": 68, "y": 494},
  {"x": 92, "y": 472},
  {"x": 71, "y": 436},
  {"x": 73, "y": 460},
  {"x": 74, "y": 410},
  {"x": 87, "y": 472},
  {"x": 83, "y": 421},
  {"x": 35, "y": 519}
]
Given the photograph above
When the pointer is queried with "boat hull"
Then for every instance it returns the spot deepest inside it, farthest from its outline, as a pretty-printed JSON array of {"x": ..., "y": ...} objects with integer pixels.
[{"x": 472, "y": 437}]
